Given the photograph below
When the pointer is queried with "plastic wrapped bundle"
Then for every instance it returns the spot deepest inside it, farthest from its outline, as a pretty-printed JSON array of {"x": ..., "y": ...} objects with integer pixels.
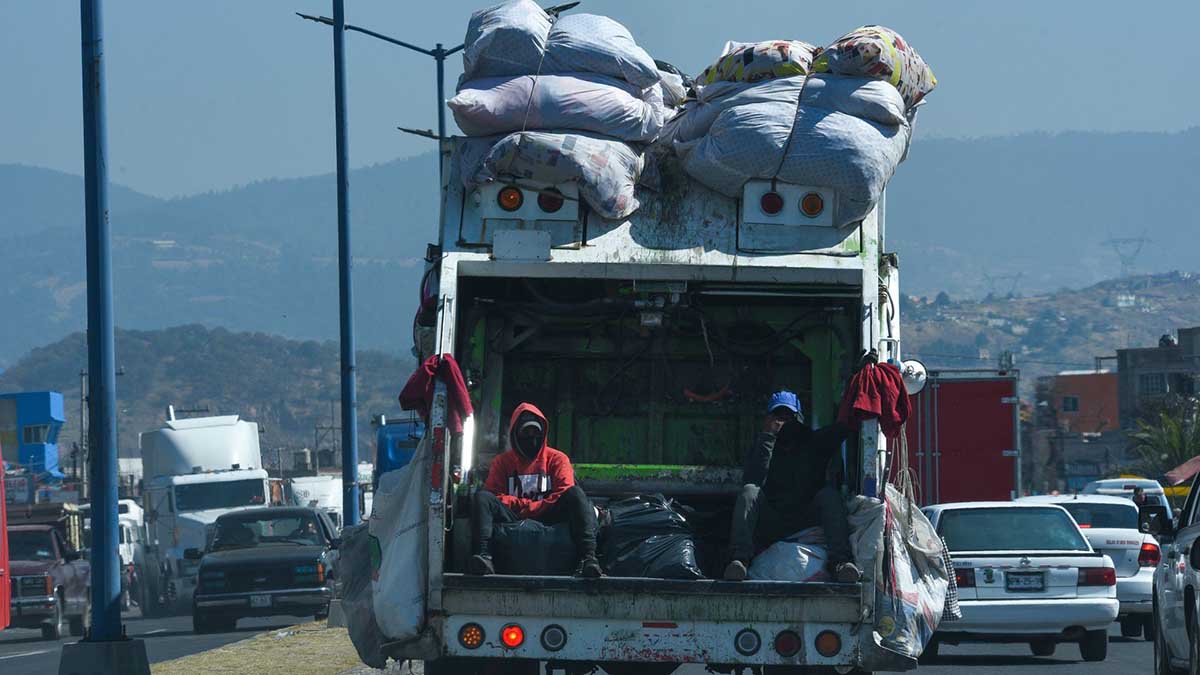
[
  {"x": 804, "y": 144},
  {"x": 578, "y": 102},
  {"x": 757, "y": 61},
  {"x": 520, "y": 38},
  {"x": 646, "y": 537},
  {"x": 606, "y": 170},
  {"x": 800, "y": 557},
  {"x": 879, "y": 52}
]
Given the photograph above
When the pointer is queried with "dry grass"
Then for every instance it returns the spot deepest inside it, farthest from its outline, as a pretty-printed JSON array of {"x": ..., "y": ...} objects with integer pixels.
[{"x": 306, "y": 649}]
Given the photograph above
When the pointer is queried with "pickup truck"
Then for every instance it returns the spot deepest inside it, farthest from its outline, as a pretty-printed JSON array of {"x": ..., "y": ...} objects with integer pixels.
[
  {"x": 652, "y": 345},
  {"x": 50, "y": 581}
]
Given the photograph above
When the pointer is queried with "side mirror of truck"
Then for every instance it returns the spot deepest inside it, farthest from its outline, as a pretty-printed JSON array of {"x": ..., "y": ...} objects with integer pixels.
[
  {"x": 192, "y": 554},
  {"x": 1156, "y": 520}
]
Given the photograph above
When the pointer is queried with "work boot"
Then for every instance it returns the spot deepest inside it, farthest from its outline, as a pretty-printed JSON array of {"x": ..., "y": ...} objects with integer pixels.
[
  {"x": 847, "y": 573},
  {"x": 589, "y": 568},
  {"x": 481, "y": 565},
  {"x": 735, "y": 571}
]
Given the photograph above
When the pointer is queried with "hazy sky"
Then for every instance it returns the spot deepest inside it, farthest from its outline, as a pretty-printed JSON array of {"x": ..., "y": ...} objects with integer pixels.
[{"x": 209, "y": 95}]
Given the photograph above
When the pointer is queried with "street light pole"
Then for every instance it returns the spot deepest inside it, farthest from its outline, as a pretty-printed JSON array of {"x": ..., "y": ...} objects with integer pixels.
[{"x": 345, "y": 287}]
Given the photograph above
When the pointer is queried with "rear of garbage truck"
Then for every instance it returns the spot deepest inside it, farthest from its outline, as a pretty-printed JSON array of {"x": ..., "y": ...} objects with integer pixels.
[{"x": 652, "y": 345}]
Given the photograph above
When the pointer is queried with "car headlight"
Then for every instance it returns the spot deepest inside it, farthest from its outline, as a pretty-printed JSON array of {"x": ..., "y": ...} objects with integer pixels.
[{"x": 37, "y": 585}]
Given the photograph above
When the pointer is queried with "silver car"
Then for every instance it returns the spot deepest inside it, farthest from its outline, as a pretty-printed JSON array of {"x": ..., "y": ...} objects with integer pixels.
[{"x": 1111, "y": 527}]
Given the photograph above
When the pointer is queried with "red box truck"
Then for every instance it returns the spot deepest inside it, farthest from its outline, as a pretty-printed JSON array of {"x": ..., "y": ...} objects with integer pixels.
[{"x": 963, "y": 436}]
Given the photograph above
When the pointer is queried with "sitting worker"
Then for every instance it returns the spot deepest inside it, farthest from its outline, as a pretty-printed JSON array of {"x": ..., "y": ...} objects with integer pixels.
[
  {"x": 785, "y": 490},
  {"x": 532, "y": 480}
]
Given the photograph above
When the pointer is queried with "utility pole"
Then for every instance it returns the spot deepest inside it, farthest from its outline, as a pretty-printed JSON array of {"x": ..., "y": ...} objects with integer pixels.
[{"x": 105, "y": 648}]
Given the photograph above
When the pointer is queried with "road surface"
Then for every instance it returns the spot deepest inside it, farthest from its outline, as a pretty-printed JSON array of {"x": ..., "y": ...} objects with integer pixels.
[{"x": 24, "y": 652}]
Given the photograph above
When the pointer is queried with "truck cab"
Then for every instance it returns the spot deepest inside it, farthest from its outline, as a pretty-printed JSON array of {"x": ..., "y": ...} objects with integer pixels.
[{"x": 652, "y": 345}]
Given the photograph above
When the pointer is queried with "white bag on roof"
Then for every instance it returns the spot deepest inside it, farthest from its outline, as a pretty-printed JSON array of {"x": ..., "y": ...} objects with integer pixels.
[
  {"x": 519, "y": 38},
  {"x": 606, "y": 170},
  {"x": 580, "y": 102},
  {"x": 399, "y": 521},
  {"x": 805, "y": 145}
]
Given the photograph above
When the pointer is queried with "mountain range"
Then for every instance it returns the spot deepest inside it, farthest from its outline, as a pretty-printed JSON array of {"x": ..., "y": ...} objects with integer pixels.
[{"x": 1014, "y": 215}]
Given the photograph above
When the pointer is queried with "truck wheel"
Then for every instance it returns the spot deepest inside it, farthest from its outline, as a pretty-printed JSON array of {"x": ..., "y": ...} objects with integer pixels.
[
  {"x": 81, "y": 623},
  {"x": 1131, "y": 626},
  {"x": 1094, "y": 645},
  {"x": 1148, "y": 628},
  {"x": 930, "y": 653},
  {"x": 52, "y": 629},
  {"x": 202, "y": 623}
]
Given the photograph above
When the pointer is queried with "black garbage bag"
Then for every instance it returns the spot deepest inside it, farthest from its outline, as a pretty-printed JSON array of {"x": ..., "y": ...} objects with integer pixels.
[
  {"x": 646, "y": 536},
  {"x": 533, "y": 548}
]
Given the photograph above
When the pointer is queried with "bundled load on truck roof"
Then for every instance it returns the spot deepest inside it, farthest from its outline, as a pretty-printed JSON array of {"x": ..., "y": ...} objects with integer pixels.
[
  {"x": 839, "y": 118},
  {"x": 556, "y": 99}
]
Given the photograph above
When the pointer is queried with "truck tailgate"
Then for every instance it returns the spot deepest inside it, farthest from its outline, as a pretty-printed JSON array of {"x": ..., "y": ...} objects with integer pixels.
[{"x": 658, "y": 599}]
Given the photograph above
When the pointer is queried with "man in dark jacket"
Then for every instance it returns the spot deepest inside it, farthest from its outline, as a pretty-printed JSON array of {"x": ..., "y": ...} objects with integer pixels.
[
  {"x": 785, "y": 490},
  {"x": 532, "y": 480}
]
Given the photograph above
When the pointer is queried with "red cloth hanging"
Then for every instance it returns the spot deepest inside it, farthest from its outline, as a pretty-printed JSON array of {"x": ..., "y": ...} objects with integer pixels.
[
  {"x": 418, "y": 391},
  {"x": 876, "y": 392}
]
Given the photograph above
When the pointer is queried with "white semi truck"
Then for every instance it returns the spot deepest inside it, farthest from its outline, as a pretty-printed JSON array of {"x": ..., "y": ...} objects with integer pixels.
[
  {"x": 652, "y": 344},
  {"x": 195, "y": 470}
]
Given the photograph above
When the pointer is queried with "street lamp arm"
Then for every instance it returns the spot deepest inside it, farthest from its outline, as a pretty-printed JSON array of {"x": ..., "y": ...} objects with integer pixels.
[
  {"x": 329, "y": 22},
  {"x": 450, "y": 51}
]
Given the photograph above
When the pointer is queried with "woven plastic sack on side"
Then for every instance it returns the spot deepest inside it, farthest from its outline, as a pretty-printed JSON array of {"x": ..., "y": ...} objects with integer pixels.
[
  {"x": 606, "y": 170},
  {"x": 879, "y": 52},
  {"x": 399, "y": 525},
  {"x": 577, "y": 102},
  {"x": 800, "y": 557},
  {"x": 869, "y": 99},
  {"x": 520, "y": 38},
  {"x": 757, "y": 61},
  {"x": 805, "y": 145}
]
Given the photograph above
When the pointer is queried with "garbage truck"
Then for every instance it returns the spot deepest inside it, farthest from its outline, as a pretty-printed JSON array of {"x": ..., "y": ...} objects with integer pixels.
[
  {"x": 196, "y": 469},
  {"x": 652, "y": 344}
]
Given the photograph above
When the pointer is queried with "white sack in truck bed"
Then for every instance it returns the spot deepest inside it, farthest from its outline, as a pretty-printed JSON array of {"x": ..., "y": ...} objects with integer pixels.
[
  {"x": 578, "y": 102},
  {"x": 520, "y": 38}
]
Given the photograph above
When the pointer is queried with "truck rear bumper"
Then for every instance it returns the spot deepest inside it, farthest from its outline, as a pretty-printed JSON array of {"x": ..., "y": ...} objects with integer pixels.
[{"x": 31, "y": 612}]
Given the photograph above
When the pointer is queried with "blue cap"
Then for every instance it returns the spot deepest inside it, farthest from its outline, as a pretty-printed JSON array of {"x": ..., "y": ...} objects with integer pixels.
[{"x": 784, "y": 399}]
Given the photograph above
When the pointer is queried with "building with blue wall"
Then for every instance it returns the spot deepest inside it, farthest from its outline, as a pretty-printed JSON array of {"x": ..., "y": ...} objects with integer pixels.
[{"x": 29, "y": 426}]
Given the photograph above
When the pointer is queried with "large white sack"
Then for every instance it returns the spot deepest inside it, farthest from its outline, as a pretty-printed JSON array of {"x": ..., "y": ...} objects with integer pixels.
[
  {"x": 805, "y": 145},
  {"x": 870, "y": 99},
  {"x": 606, "y": 170},
  {"x": 579, "y": 102},
  {"x": 400, "y": 522},
  {"x": 354, "y": 572},
  {"x": 519, "y": 38},
  {"x": 800, "y": 557}
]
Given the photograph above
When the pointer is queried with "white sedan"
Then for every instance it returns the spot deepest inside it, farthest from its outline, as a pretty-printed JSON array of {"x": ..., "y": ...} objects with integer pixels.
[
  {"x": 1025, "y": 573},
  {"x": 1111, "y": 526}
]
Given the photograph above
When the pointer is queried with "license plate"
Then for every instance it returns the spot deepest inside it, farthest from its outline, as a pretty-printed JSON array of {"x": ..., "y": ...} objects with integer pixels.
[
  {"x": 1025, "y": 582},
  {"x": 260, "y": 601}
]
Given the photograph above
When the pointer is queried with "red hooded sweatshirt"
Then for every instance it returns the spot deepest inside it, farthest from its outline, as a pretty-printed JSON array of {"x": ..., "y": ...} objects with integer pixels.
[{"x": 529, "y": 487}]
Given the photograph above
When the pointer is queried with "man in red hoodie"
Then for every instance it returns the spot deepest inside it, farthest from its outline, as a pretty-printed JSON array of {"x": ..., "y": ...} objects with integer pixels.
[{"x": 532, "y": 480}]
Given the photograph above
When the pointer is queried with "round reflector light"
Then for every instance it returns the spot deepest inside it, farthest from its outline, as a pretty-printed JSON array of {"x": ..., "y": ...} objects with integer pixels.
[
  {"x": 747, "y": 642},
  {"x": 771, "y": 203},
  {"x": 470, "y": 635},
  {"x": 554, "y": 638},
  {"x": 510, "y": 198},
  {"x": 828, "y": 643},
  {"x": 812, "y": 204},
  {"x": 550, "y": 201},
  {"x": 512, "y": 636},
  {"x": 787, "y": 644}
]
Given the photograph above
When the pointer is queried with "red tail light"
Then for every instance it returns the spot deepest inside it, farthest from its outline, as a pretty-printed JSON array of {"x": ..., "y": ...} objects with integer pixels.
[
  {"x": 771, "y": 203},
  {"x": 1150, "y": 555},
  {"x": 965, "y": 577},
  {"x": 1097, "y": 576},
  {"x": 812, "y": 204},
  {"x": 512, "y": 636},
  {"x": 787, "y": 644},
  {"x": 550, "y": 201},
  {"x": 1085, "y": 526}
]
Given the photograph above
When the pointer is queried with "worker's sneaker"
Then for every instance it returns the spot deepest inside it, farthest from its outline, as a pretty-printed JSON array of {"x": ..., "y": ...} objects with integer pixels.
[
  {"x": 847, "y": 573},
  {"x": 589, "y": 568},
  {"x": 735, "y": 571},
  {"x": 481, "y": 565}
]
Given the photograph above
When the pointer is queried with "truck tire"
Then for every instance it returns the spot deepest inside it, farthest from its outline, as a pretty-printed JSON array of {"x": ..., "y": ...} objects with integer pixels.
[
  {"x": 1148, "y": 628},
  {"x": 1094, "y": 645},
  {"x": 1043, "y": 647},
  {"x": 930, "y": 653},
  {"x": 1131, "y": 626},
  {"x": 53, "y": 628}
]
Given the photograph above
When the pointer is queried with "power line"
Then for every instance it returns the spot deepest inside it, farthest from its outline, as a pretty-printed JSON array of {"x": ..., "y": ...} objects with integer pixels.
[{"x": 979, "y": 358}]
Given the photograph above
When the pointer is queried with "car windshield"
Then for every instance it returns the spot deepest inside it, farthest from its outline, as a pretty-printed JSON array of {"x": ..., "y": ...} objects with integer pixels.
[
  {"x": 1010, "y": 529},
  {"x": 250, "y": 530},
  {"x": 230, "y": 494},
  {"x": 1116, "y": 516},
  {"x": 30, "y": 546}
]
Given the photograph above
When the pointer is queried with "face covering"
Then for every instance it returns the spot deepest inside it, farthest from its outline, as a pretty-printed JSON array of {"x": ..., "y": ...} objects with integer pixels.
[{"x": 529, "y": 444}]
